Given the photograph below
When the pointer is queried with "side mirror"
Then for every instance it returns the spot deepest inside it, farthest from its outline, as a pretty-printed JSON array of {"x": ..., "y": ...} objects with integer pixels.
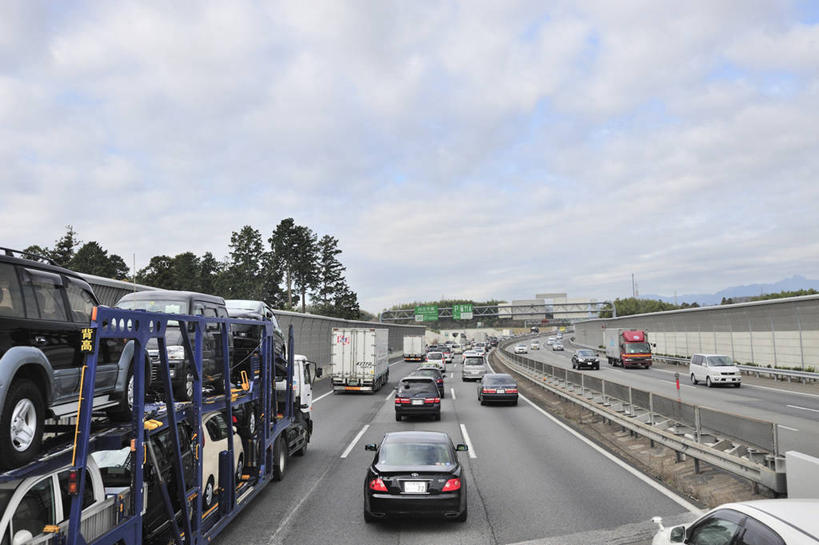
[
  {"x": 371, "y": 446},
  {"x": 460, "y": 447},
  {"x": 677, "y": 534}
]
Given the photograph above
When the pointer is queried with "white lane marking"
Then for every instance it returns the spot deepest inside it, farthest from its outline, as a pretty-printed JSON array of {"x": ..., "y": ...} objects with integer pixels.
[
  {"x": 640, "y": 475},
  {"x": 389, "y": 395},
  {"x": 453, "y": 393},
  {"x": 803, "y": 408},
  {"x": 354, "y": 441},
  {"x": 322, "y": 396},
  {"x": 468, "y": 442},
  {"x": 787, "y": 427}
]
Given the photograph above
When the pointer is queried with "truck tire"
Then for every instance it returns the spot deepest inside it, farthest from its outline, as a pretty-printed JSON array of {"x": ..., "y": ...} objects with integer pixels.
[
  {"x": 279, "y": 459},
  {"x": 21, "y": 424}
]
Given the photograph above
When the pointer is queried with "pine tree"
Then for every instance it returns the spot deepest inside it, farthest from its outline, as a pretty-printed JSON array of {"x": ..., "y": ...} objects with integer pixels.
[{"x": 64, "y": 247}]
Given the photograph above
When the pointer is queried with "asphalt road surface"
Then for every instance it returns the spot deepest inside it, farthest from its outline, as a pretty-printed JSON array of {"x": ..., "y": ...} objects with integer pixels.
[
  {"x": 528, "y": 479},
  {"x": 796, "y": 413}
]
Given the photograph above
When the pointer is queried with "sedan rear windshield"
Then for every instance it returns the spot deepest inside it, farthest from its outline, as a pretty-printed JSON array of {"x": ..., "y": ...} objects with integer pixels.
[
  {"x": 585, "y": 353},
  {"x": 413, "y": 387},
  {"x": 500, "y": 379},
  {"x": 473, "y": 361},
  {"x": 415, "y": 454},
  {"x": 435, "y": 356},
  {"x": 167, "y": 307},
  {"x": 434, "y": 373}
]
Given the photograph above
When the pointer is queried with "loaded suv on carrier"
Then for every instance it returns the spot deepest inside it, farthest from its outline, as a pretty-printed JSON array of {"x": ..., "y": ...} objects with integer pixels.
[{"x": 43, "y": 311}]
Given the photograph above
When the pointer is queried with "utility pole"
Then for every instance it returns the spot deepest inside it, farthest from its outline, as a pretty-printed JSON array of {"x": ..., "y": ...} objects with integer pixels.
[
  {"x": 133, "y": 270},
  {"x": 633, "y": 290}
]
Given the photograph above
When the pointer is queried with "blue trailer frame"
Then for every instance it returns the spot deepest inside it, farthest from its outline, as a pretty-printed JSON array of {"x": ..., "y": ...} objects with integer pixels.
[{"x": 258, "y": 389}]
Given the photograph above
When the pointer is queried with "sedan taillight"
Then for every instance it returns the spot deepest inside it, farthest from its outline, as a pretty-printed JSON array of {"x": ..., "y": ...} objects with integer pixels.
[
  {"x": 432, "y": 400},
  {"x": 488, "y": 390},
  {"x": 452, "y": 485},
  {"x": 400, "y": 400},
  {"x": 440, "y": 381},
  {"x": 511, "y": 390},
  {"x": 378, "y": 485}
]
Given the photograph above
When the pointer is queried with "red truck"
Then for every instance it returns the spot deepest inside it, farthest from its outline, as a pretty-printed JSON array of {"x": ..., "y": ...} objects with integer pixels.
[{"x": 627, "y": 348}]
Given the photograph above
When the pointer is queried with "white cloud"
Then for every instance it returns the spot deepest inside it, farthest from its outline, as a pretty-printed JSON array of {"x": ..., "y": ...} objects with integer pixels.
[{"x": 460, "y": 148}]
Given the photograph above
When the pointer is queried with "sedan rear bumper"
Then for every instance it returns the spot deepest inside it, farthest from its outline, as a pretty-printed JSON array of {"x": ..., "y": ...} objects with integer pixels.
[
  {"x": 448, "y": 505},
  {"x": 492, "y": 398}
]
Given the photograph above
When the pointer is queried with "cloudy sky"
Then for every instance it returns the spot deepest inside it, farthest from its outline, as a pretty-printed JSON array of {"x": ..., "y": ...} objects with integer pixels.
[{"x": 467, "y": 149}]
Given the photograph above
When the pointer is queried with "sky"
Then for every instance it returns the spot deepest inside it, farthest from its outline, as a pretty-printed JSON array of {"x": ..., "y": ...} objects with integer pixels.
[{"x": 461, "y": 149}]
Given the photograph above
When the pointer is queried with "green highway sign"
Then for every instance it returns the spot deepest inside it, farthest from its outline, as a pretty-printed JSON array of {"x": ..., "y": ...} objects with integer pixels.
[
  {"x": 462, "y": 312},
  {"x": 426, "y": 313}
]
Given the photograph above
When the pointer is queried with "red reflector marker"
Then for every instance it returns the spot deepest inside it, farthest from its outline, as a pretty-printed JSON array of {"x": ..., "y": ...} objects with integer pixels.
[
  {"x": 452, "y": 485},
  {"x": 378, "y": 485},
  {"x": 73, "y": 483}
]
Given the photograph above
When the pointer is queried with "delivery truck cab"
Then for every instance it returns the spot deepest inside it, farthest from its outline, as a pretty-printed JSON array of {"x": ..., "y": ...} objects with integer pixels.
[
  {"x": 305, "y": 373},
  {"x": 628, "y": 348}
]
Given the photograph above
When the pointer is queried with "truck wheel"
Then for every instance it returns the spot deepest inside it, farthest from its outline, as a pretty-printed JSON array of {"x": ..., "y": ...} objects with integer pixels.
[
  {"x": 279, "y": 459},
  {"x": 21, "y": 424},
  {"x": 183, "y": 391},
  {"x": 303, "y": 450}
]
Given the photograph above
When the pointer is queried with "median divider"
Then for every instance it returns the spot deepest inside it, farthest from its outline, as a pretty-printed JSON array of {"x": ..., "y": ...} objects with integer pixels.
[{"x": 743, "y": 446}]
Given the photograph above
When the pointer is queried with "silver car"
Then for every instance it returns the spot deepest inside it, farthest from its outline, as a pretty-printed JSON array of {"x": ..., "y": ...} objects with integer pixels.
[{"x": 474, "y": 368}]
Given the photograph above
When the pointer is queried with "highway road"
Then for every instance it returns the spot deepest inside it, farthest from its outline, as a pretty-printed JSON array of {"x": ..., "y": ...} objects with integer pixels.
[
  {"x": 529, "y": 478},
  {"x": 796, "y": 413}
]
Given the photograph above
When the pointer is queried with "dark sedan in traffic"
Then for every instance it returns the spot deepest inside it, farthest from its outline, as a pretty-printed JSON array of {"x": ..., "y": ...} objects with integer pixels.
[
  {"x": 498, "y": 388},
  {"x": 585, "y": 358},
  {"x": 434, "y": 373},
  {"x": 415, "y": 473},
  {"x": 417, "y": 396}
]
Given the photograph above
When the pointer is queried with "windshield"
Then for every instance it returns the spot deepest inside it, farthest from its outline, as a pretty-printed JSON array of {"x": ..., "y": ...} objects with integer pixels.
[
  {"x": 241, "y": 304},
  {"x": 585, "y": 353},
  {"x": 415, "y": 454},
  {"x": 434, "y": 373},
  {"x": 473, "y": 361},
  {"x": 720, "y": 361},
  {"x": 435, "y": 355},
  {"x": 637, "y": 348}
]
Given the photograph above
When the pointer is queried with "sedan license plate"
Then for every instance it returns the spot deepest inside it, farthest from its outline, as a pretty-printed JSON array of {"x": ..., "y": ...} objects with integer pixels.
[
  {"x": 501, "y": 391},
  {"x": 415, "y": 487},
  {"x": 417, "y": 401}
]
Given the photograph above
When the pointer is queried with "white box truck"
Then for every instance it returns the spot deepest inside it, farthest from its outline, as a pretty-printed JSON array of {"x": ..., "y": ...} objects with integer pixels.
[
  {"x": 359, "y": 359},
  {"x": 414, "y": 348}
]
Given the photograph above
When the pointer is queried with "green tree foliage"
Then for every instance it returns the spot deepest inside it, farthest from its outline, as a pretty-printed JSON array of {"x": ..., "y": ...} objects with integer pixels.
[
  {"x": 330, "y": 277},
  {"x": 634, "y": 305},
  {"x": 209, "y": 270},
  {"x": 783, "y": 294},
  {"x": 295, "y": 253},
  {"x": 91, "y": 258},
  {"x": 38, "y": 250},
  {"x": 346, "y": 304},
  {"x": 245, "y": 264},
  {"x": 159, "y": 273},
  {"x": 65, "y": 247},
  {"x": 185, "y": 271}
]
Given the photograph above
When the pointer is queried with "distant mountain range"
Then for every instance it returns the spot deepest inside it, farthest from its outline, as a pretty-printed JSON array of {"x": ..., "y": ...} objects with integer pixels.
[{"x": 795, "y": 282}]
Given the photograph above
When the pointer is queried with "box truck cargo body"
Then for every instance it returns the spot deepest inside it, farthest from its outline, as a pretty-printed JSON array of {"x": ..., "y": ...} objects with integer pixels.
[
  {"x": 360, "y": 358},
  {"x": 627, "y": 347},
  {"x": 414, "y": 348}
]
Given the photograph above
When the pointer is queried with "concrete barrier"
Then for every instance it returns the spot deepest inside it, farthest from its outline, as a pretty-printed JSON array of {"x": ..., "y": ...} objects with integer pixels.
[{"x": 802, "y": 475}]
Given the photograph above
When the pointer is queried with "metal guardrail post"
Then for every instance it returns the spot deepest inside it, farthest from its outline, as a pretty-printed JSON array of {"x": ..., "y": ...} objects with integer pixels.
[
  {"x": 799, "y": 326},
  {"x": 582, "y": 385},
  {"x": 697, "y": 425},
  {"x": 775, "y": 431},
  {"x": 630, "y": 403}
]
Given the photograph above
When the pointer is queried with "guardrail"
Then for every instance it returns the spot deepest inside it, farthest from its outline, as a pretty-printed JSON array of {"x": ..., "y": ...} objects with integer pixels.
[{"x": 743, "y": 446}]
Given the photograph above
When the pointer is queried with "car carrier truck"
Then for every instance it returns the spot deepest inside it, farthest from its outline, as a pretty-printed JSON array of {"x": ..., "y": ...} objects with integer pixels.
[
  {"x": 152, "y": 479},
  {"x": 414, "y": 348},
  {"x": 627, "y": 347},
  {"x": 359, "y": 359}
]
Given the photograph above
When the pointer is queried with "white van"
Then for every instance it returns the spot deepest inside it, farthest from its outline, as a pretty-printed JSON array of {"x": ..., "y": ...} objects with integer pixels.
[{"x": 714, "y": 369}]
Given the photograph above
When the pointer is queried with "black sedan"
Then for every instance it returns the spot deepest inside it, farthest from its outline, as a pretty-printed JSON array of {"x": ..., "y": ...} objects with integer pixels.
[
  {"x": 585, "y": 358},
  {"x": 498, "y": 387},
  {"x": 417, "y": 396},
  {"x": 433, "y": 372},
  {"x": 415, "y": 473}
]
